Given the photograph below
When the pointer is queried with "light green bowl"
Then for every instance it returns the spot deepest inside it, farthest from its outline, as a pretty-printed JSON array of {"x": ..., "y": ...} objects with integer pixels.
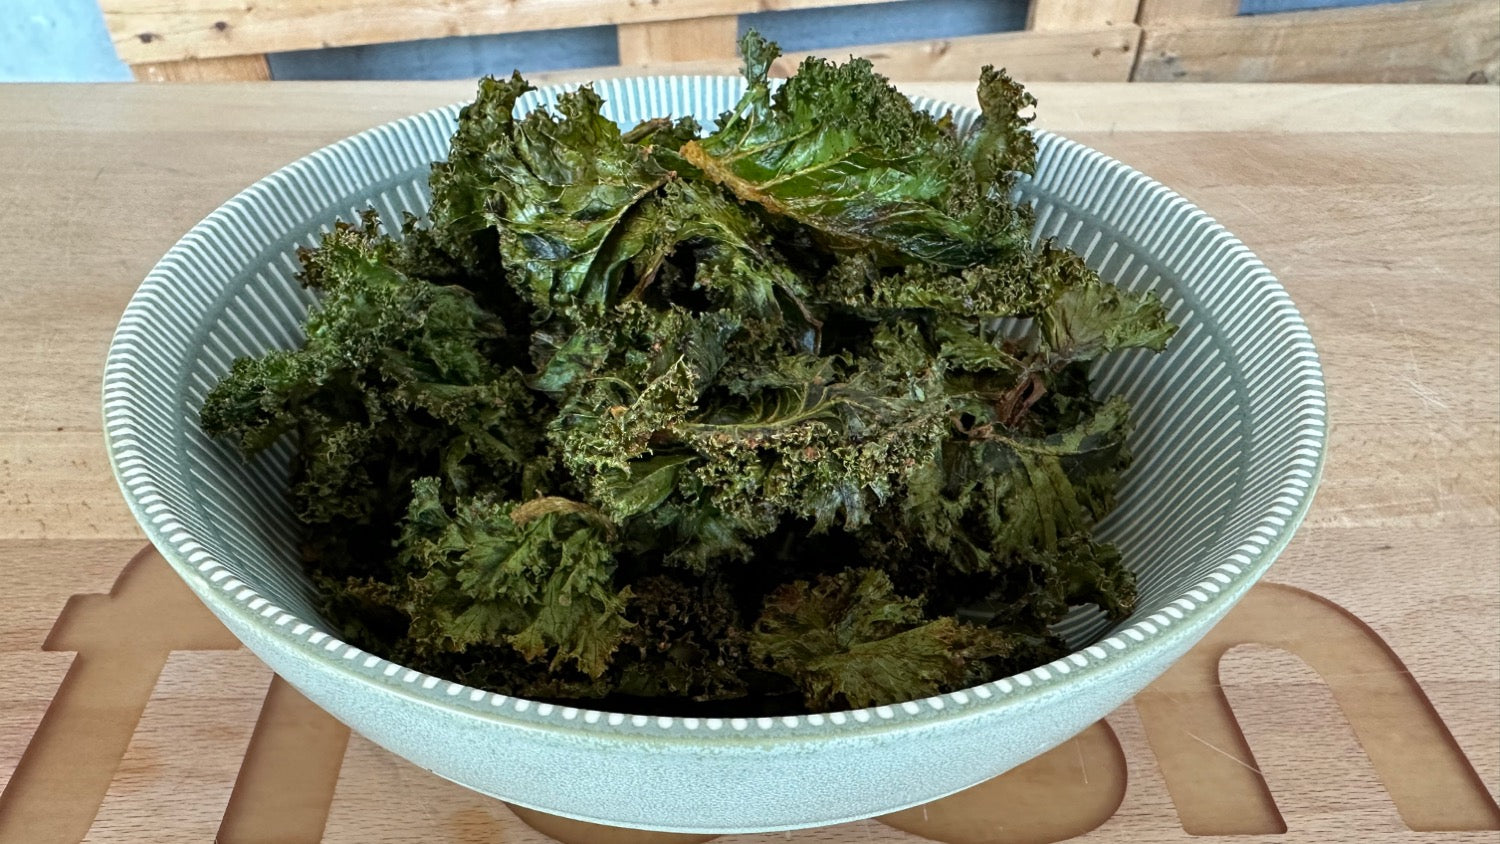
[{"x": 1229, "y": 442}]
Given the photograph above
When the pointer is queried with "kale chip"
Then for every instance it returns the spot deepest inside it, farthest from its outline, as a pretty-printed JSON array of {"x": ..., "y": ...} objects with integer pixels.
[{"x": 790, "y": 415}]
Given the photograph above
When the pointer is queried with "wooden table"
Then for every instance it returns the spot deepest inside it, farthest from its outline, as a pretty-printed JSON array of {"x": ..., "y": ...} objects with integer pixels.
[{"x": 1364, "y": 685}]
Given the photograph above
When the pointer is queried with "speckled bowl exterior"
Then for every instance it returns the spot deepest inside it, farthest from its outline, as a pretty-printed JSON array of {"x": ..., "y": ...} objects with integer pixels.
[{"x": 1230, "y": 435}]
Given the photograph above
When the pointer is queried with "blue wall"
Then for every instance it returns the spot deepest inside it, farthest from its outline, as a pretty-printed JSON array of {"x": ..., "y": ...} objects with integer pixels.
[
  {"x": 56, "y": 41},
  {"x": 820, "y": 29},
  {"x": 65, "y": 40}
]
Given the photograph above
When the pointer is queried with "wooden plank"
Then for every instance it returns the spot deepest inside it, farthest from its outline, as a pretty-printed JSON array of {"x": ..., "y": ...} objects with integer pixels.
[
  {"x": 57, "y": 485},
  {"x": 1180, "y": 11},
  {"x": 1416, "y": 41},
  {"x": 1323, "y": 775},
  {"x": 28, "y": 683},
  {"x": 204, "y": 702},
  {"x": 1088, "y": 55},
  {"x": 291, "y": 767},
  {"x": 122, "y": 640},
  {"x": 677, "y": 41},
  {"x": 146, "y": 31},
  {"x": 1227, "y": 107},
  {"x": 252, "y": 68},
  {"x": 41, "y": 576},
  {"x": 1378, "y": 206},
  {"x": 1079, "y": 14},
  {"x": 317, "y": 113},
  {"x": 1428, "y": 777}
]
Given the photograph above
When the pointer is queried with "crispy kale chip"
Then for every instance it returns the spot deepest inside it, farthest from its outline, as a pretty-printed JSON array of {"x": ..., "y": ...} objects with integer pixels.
[
  {"x": 537, "y": 575},
  {"x": 838, "y": 149},
  {"x": 850, "y": 640},
  {"x": 789, "y": 415},
  {"x": 398, "y": 378}
]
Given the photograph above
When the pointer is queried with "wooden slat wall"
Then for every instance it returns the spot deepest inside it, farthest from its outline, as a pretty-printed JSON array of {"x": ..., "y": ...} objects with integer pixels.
[
  {"x": 251, "y": 68},
  {"x": 1085, "y": 55},
  {"x": 1066, "y": 40},
  {"x": 152, "y": 31},
  {"x": 677, "y": 41},
  {"x": 1079, "y": 14},
  {"x": 1414, "y": 41},
  {"x": 1180, "y": 11}
]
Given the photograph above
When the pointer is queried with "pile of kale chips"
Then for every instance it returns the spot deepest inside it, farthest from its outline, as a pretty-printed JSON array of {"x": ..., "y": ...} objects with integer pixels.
[{"x": 724, "y": 422}]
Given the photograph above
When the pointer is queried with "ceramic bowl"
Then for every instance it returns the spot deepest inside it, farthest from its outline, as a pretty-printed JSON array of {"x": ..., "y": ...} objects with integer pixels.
[{"x": 1229, "y": 442}]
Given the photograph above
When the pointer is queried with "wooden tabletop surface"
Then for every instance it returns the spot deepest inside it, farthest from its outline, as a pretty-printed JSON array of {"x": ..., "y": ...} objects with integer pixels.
[{"x": 1365, "y": 684}]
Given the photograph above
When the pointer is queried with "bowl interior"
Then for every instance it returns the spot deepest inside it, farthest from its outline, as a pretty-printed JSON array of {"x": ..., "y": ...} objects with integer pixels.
[{"x": 1229, "y": 424}]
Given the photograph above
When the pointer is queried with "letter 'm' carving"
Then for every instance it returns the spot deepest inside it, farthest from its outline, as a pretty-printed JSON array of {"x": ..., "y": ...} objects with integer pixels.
[{"x": 1210, "y": 770}]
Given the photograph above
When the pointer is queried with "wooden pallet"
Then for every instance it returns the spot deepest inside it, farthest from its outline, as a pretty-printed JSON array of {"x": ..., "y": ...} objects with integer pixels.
[{"x": 1065, "y": 40}]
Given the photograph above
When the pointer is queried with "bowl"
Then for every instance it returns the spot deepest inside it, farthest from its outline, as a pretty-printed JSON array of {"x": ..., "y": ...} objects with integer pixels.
[{"x": 1229, "y": 439}]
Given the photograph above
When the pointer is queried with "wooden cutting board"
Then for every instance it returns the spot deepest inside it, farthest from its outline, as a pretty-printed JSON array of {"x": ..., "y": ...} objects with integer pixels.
[
  {"x": 1355, "y": 698},
  {"x": 153, "y": 708}
]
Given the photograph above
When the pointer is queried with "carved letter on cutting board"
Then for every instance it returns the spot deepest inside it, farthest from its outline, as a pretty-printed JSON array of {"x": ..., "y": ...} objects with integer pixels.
[{"x": 123, "y": 639}]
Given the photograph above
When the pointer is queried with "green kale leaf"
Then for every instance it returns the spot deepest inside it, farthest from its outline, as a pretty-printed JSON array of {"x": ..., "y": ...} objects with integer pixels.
[
  {"x": 848, "y": 640},
  {"x": 398, "y": 378},
  {"x": 537, "y": 575},
  {"x": 839, "y": 150},
  {"x": 785, "y": 417}
]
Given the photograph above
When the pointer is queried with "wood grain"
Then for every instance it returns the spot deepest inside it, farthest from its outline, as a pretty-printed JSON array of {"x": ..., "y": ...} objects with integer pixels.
[
  {"x": 1097, "y": 54},
  {"x": 1182, "y": 11},
  {"x": 1220, "y": 790},
  {"x": 1103, "y": 54},
  {"x": 29, "y": 681},
  {"x": 156, "y": 159},
  {"x": 74, "y": 754},
  {"x": 1176, "y": 40},
  {"x": 285, "y": 785},
  {"x": 1418, "y": 41},
  {"x": 205, "y": 703},
  {"x": 1108, "y": 780},
  {"x": 251, "y": 68},
  {"x": 57, "y": 485},
  {"x": 1325, "y": 784},
  {"x": 311, "y": 114},
  {"x": 1079, "y": 14},
  {"x": 147, "y": 31},
  {"x": 43, "y": 575},
  {"x": 677, "y": 41},
  {"x": 1378, "y": 207}
]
